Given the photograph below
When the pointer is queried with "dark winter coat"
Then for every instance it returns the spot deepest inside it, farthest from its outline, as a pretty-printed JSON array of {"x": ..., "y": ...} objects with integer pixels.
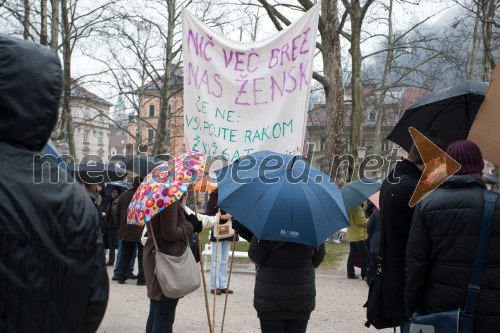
[
  {"x": 52, "y": 273},
  {"x": 126, "y": 232},
  {"x": 171, "y": 230},
  {"x": 213, "y": 209},
  {"x": 395, "y": 217},
  {"x": 373, "y": 228},
  {"x": 441, "y": 249},
  {"x": 285, "y": 285}
]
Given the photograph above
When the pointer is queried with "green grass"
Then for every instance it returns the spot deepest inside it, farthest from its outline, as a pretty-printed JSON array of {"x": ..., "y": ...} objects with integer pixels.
[{"x": 334, "y": 252}]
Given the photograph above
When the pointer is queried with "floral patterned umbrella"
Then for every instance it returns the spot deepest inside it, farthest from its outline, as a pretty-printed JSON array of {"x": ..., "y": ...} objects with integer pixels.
[{"x": 163, "y": 186}]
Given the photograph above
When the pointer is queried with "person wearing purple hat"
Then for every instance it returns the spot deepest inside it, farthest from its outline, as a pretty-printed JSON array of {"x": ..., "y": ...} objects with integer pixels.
[{"x": 442, "y": 244}]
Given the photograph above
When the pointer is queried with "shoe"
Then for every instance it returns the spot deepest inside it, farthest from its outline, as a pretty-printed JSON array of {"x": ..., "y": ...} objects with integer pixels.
[
  {"x": 141, "y": 283},
  {"x": 352, "y": 277},
  {"x": 110, "y": 264},
  {"x": 114, "y": 278},
  {"x": 225, "y": 290},
  {"x": 120, "y": 281},
  {"x": 132, "y": 276},
  {"x": 216, "y": 292},
  {"x": 363, "y": 278}
]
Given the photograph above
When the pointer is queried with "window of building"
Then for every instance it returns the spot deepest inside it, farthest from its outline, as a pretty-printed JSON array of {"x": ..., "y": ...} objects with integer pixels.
[
  {"x": 86, "y": 112},
  {"x": 86, "y": 135},
  {"x": 322, "y": 144},
  {"x": 65, "y": 136},
  {"x": 385, "y": 145},
  {"x": 150, "y": 136},
  {"x": 99, "y": 138},
  {"x": 151, "y": 110},
  {"x": 372, "y": 116}
]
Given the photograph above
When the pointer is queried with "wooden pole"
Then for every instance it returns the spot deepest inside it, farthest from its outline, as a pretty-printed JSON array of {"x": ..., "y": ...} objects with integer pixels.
[
  {"x": 228, "y": 282},
  {"x": 215, "y": 275},
  {"x": 207, "y": 307}
]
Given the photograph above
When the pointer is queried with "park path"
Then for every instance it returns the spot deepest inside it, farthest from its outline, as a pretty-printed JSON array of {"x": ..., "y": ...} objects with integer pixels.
[{"x": 339, "y": 304}]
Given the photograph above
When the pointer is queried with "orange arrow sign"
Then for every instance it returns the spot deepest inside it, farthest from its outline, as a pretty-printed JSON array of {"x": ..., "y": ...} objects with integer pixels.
[{"x": 438, "y": 166}]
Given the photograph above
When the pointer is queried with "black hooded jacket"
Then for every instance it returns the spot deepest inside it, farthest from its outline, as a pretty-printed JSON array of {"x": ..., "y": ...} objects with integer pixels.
[{"x": 52, "y": 273}]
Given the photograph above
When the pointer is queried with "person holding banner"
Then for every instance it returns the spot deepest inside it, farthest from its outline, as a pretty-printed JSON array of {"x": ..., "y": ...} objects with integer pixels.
[{"x": 220, "y": 248}]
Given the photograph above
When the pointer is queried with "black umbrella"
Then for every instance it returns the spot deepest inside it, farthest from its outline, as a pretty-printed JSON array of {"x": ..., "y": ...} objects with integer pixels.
[
  {"x": 450, "y": 112},
  {"x": 141, "y": 164},
  {"x": 97, "y": 173}
]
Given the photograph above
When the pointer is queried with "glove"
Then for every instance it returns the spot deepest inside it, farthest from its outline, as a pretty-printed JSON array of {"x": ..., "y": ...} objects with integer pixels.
[
  {"x": 197, "y": 226},
  {"x": 236, "y": 225}
]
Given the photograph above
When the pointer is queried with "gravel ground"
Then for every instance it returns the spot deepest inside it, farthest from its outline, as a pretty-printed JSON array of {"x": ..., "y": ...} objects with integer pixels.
[{"x": 339, "y": 305}]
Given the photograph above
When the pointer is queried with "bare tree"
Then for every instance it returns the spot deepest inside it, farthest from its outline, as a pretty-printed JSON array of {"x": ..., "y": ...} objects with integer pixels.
[
  {"x": 43, "y": 32},
  {"x": 330, "y": 27},
  {"x": 26, "y": 23},
  {"x": 356, "y": 13},
  {"x": 54, "y": 28},
  {"x": 66, "y": 117}
]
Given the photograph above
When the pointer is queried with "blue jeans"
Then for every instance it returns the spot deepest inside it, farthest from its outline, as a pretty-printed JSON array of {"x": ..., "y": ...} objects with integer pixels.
[
  {"x": 118, "y": 256},
  {"x": 283, "y": 326},
  {"x": 222, "y": 251},
  {"x": 161, "y": 316}
]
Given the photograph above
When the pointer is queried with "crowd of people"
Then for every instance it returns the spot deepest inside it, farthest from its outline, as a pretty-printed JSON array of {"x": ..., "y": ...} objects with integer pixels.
[{"x": 53, "y": 271}]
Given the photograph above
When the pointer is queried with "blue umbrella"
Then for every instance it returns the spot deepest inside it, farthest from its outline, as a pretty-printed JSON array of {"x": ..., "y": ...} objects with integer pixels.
[
  {"x": 50, "y": 151},
  {"x": 282, "y": 198},
  {"x": 358, "y": 191}
]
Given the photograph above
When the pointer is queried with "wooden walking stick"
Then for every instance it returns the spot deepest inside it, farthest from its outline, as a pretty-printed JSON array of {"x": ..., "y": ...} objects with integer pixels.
[
  {"x": 207, "y": 307},
  {"x": 228, "y": 281}
]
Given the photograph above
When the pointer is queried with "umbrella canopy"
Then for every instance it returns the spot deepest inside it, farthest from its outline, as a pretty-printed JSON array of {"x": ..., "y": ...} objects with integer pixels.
[
  {"x": 111, "y": 186},
  {"x": 52, "y": 153},
  {"x": 375, "y": 199},
  {"x": 97, "y": 173},
  {"x": 141, "y": 164},
  {"x": 358, "y": 191},
  {"x": 281, "y": 197},
  {"x": 450, "y": 112},
  {"x": 163, "y": 186}
]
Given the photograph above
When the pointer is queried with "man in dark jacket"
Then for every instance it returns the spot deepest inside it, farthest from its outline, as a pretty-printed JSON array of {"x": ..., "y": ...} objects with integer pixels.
[
  {"x": 442, "y": 244},
  {"x": 52, "y": 273},
  {"x": 395, "y": 219},
  {"x": 130, "y": 235}
]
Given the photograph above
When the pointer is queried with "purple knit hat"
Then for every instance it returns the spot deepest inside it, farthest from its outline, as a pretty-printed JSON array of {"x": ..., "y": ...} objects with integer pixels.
[{"x": 468, "y": 154}]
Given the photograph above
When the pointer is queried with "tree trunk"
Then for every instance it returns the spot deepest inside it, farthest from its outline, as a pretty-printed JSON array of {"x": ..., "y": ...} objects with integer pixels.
[
  {"x": 66, "y": 117},
  {"x": 43, "y": 32},
  {"x": 26, "y": 22},
  {"x": 54, "y": 28},
  {"x": 160, "y": 144},
  {"x": 381, "y": 100},
  {"x": 356, "y": 14},
  {"x": 475, "y": 44},
  {"x": 333, "y": 86},
  {"x": 488, "y": 62}
]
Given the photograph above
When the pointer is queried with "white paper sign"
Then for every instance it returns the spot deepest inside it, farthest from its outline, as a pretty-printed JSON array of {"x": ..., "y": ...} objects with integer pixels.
[{"x": 240, "y": 98}]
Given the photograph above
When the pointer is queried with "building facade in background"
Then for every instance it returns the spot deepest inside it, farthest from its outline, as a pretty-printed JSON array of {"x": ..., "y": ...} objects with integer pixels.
[
  {"x": 90, "y": 125},
  {"x": 393, "y": 106},
  {"x": 146, "y": 124}
]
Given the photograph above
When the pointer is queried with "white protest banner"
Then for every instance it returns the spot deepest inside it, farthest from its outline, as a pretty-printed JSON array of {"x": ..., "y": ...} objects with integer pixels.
[{"x": 240, "y": 98}]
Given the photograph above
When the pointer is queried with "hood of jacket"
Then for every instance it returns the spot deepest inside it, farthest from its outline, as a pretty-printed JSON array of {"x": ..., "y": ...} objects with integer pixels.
[{"x": 30, "y": 89}]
